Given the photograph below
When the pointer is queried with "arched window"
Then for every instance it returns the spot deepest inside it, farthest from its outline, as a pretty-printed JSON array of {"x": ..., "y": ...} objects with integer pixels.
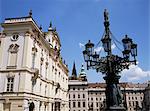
[{"x": 12, "y": 58}]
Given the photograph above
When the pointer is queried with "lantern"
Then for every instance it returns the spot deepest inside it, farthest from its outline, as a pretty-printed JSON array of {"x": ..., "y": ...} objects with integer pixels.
[
  {"x": 95, "y": 57},
  {"x": 106, "y": 44},
  {"x": 86, "y": 55},
  {"x": 89, "y": 47},
  {"x": 127, "y": 43},
  {"x": 134, "y": 50},
  {"x": 126, "y": 54}
]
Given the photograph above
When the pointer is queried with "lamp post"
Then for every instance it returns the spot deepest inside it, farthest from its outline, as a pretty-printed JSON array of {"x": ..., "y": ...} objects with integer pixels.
[{"x": 111, "y": 65}]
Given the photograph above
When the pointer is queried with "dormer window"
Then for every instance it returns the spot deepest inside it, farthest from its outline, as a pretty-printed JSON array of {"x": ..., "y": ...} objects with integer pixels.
[{"x": 15, "y": 37}]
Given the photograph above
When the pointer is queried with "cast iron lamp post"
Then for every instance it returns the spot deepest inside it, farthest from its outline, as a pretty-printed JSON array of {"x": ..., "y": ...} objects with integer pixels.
[{"x": 111, "y": 65}]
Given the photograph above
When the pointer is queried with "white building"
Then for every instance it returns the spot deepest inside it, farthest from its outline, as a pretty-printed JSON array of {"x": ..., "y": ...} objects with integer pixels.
[
  {"x": 146, "y": 102},
  {"x": 95, "y": 94},
  {"x": 78, "y": 91},
  {"x": 96, "y": 99},
  {"x": 33, "y": 75}
]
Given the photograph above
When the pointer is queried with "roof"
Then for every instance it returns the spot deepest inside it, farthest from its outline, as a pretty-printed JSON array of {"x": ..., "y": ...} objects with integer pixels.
[
  {"x": 28, "y": 19},
  {"x": 124, "y": 85}
]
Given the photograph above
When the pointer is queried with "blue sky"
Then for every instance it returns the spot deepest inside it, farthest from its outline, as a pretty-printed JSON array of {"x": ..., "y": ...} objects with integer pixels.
[{"x": 77, "y": 21}]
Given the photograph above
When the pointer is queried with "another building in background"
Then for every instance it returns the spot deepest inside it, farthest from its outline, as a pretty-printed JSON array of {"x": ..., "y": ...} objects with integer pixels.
[
  {"x": 146, "y": 102},
  {"x": 78, "y": 91},
  {"x": 95, "y": 94},
  {"x": 33, "y": 75}
]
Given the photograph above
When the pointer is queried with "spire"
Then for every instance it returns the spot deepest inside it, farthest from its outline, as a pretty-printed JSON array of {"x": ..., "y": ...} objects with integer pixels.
[{"x": 74, "y": 72}]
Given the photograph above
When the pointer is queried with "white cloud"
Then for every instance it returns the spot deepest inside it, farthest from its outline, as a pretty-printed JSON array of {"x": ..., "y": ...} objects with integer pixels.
[
  {"x": 113, "y": 46},
  {"x": 98, "y": 49},
  {"x": 135, "y": 74},
  {"x": 81, "y": 45}
]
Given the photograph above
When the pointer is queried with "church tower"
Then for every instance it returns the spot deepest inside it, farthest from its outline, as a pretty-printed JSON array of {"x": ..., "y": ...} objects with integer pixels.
[
  {"x": 74, "y": 73},
  {"x": 82, "y": 74}
]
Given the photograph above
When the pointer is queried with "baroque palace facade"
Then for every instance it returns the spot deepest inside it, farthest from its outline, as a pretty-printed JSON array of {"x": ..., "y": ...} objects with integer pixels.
[
  {"x": 33, "y": 76},
  {"x": 84, "y": 96}
]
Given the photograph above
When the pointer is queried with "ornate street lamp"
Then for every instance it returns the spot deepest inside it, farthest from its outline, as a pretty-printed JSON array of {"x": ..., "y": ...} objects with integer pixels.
[{"x": 111, "y": 65}]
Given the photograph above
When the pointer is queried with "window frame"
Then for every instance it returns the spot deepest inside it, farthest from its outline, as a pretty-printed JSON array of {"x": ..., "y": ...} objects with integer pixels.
[{"x": 10, "y": 84}]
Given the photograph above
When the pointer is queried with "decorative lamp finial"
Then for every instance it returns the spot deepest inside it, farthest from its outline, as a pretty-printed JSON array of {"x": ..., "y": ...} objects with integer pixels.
[
  {"x": 40, "y": 27},
  {"x": 30, "y": 13},
  {"x": 50, "y": 26},
  {"x": 106, "y": 15}
]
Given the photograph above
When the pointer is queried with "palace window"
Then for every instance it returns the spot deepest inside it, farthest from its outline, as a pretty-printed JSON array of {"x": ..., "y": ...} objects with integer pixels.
[
  {"x": 59, "y": 74},
  {"x": 33, "y": 60},
  {"x": 74, "y": 104},
  {"x": 10, "y": 84},
  {"x": 83, "y": 104},
  {"x": 69, "y": 105},
  {"x": 83, "y": 95},
  {"x": 41, "y": 69},
  {"x": 34, "y": 50},
  {"x": 78, "y": 95},
  {"x": 97, "y": 104},
  {"x": 92, "y": 105},
  {"x": 129, "y": 103},
  {"x": 46, "y": 76},
  {"x": 96, "y": 99},
  {"x": 74, "y": 96},
  {"x": 12, "y": 58},
  {"x": 52, "y": 68},
  {"x": 46, "y": 68},
  {"x": 45, "y": 89},
  {"x": 129, "y": 97},
  {"x": 41, "y": 65},
  {"x": 40, "y": 86},
  {"x": 133, "y": 103},
  {"x": 79, "y": 105}
]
